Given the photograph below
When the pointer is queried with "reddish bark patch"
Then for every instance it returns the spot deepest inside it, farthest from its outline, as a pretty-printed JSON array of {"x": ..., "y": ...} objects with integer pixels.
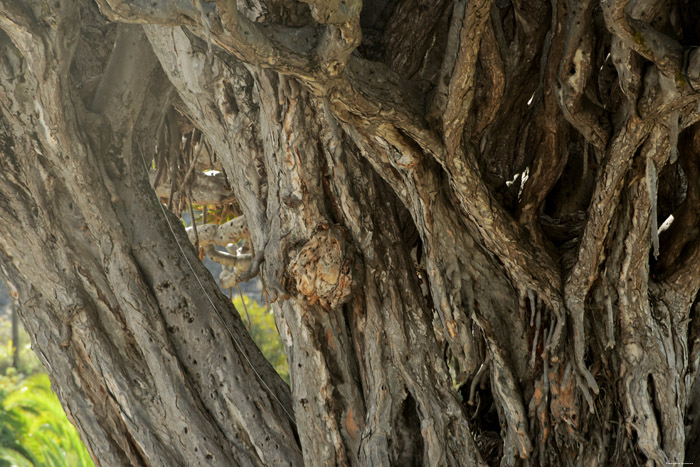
[
  {"x": 322, "y": 269},
  {"x": 351, "y": 426}
]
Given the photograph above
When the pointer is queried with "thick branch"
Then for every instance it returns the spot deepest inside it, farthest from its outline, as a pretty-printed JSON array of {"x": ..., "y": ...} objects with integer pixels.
[
  {"x": 207, "y": 189},
  {"x": 603, "y": 205},
  {"x": 575, "y": 70},
  {"x": 222, "y": 235},
  {"x": 455, "y": 90},
  {"x": 241, "y": 261},
  {"x": 123, "y": 82},
  {"x": 665, "y": 52},
  {"x": 552, "y": 132},
  {"x": 342, "y": 32}
]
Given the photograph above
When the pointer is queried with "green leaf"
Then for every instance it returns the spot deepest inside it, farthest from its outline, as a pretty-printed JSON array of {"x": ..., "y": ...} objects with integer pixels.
[{"x": 13, "y": 458}]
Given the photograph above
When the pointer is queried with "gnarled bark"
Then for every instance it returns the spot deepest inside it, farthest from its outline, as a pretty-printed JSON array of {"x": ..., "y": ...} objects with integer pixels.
[{"x": 457, "y": 227}]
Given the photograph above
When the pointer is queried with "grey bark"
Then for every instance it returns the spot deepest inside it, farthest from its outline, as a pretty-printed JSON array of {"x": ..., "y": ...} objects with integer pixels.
[
  {"x": 150, "y": 359},
  {"x": 368, "y": 148}
]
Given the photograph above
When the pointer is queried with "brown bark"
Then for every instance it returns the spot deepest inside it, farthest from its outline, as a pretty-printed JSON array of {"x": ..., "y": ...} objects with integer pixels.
[{"x": 436, "y": 194}]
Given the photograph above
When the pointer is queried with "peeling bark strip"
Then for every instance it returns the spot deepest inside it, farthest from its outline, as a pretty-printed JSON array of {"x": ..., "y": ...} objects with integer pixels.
[{"x": 477, "y": 223}]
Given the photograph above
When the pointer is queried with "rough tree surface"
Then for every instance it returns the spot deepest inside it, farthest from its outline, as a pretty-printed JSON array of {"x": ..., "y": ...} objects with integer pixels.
[{"x": 476, "y": 221}]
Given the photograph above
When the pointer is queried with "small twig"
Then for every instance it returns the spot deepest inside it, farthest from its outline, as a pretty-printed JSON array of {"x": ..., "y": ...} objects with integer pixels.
[
  {"x": 254, "y": 268},
  {"x": 190, "y": 170},
  {"x": 245, "y": 307},
  {"x": 477, "y": 378},
  {"x": 160, "y": 152},
  {"x": 538, "y": 324},
  {"x": 583, "y": 386},
  {"x": 194, "y": 223},
  {"x": 567, "y": 373},
  {"x": 227, "y": 259},
  {"x": 173, "y": 149},
  {"x": 610, "y": 323}
]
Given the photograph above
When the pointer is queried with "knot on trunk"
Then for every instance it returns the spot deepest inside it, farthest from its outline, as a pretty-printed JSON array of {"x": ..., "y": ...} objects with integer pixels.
[{"x": 323, "y": 268}]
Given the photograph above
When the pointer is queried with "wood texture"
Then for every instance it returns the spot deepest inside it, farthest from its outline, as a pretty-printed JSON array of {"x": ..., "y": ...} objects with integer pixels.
[{"x": 453, "y": 207}]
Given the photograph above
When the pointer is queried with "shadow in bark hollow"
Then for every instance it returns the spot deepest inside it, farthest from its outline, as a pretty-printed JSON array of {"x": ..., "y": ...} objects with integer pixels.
[
  {"x": 409, "y": 441},
  {"x": 483, "y": 418}
]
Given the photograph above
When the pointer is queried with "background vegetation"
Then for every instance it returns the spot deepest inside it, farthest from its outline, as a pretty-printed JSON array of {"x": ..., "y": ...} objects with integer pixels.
[
  {"x": 261, "y": 326},
  {"x": 34, "y": 429}
]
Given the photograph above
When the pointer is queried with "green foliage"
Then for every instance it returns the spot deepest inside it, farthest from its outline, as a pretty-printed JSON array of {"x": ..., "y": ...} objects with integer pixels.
[
  {"x": 34, "y": 430},
  {"x": 218, "y": 214},
  {"x": 263, "y": 330},
  {"x": 39, "y": 432},
  {"x": 12, "y": 450},
  {"x": 12, "y": 457}
]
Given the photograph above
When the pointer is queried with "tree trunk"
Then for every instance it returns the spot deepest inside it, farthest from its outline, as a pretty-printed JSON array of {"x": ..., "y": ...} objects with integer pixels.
[
  {"x": 147, "y": 355},
  {"x": 455, "y": 208}
]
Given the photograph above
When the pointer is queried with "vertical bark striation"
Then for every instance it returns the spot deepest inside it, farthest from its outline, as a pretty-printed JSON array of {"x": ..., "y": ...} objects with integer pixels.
[
  {"x": 453, "y": 207},
  {"x": 147, "y": 354}
]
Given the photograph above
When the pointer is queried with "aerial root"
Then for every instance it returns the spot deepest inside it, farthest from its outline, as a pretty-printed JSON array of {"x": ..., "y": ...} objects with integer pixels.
[{"x": 477, "y": 378}]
